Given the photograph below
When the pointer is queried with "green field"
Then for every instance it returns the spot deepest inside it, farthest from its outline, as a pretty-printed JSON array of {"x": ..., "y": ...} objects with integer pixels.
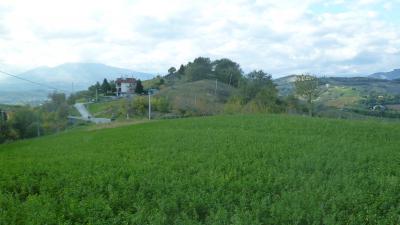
[{"x": 254, "y": 169}]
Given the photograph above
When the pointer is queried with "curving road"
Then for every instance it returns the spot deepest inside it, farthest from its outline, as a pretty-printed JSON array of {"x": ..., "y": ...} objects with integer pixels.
[{"x": 85, "y": 115}]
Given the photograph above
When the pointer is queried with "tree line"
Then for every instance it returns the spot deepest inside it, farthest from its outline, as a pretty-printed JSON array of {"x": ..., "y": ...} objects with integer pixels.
[
  {"x": 224, "y": 70},
  {"x": 21, "y": 122},
  {"x": 257, "y": 91}
]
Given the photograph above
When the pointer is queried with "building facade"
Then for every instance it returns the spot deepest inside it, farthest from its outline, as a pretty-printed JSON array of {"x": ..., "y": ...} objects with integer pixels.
[{"x": 125, "y": 86}]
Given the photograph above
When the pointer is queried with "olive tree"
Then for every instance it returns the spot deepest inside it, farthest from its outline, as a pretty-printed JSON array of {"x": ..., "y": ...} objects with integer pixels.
[{"x": 307, "y": 86}]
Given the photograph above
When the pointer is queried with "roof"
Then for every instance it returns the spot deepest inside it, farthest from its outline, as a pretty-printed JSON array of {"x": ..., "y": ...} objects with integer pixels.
[{"x": 126, "y": 80}]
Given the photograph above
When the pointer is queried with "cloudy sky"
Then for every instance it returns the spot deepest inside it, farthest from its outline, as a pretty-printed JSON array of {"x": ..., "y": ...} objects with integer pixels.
[{"x": 337, "y": 37}]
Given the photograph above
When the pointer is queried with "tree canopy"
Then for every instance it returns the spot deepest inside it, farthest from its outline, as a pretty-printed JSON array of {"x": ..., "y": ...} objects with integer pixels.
[
  {"x": 227, "y": 71},
  {"x": 199, "y": 69},
  {"x": 307, "y": 86},
  {"x": 105, "y": 86},
  {"x": 171, "y": 70},
  {"x": 139, "y": 87}
]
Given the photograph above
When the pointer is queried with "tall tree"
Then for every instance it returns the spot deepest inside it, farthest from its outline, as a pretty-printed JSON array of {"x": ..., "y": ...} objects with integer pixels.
[
  {"x": 181, "y": 70},
  {"x": 56, "y": 100},
  {"x": 199, "y": 69},
  {"x": 105, "y": 86},
  {"x": 307, "y": 86},
  {"x": 171, "y": 70},
  {"x": 113, "y": 86},
  {"x": 22, "y": 122},
  {"x": 256, "y": 81},
  {"x": 227, "y": 71},
  {"x": 139, "y": 87}
]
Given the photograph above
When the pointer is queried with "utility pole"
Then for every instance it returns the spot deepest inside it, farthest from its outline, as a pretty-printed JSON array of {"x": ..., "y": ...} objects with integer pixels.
[
  {"x": 97, "y": 96},
  {"x": 216, "y": 86},
  {"x": 2, "y": 119},
  {"x": 38, "y": 126},
  {"x": 149, "y": 104}
]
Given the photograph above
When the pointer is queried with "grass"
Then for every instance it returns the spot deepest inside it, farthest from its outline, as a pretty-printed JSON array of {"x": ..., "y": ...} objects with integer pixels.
[
  {"x": 258, "y": 169},
  {"x": 201, "y": 90},
  {"x": 201, "y": 97},
  {"x": 72, "y": 111},
  {"x": 105, "y": 109}
]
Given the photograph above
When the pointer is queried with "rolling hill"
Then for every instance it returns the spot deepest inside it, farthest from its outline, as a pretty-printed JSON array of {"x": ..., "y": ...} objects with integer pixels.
[
  {"x": 393, "y": 75},
  {"x": 204, "y": 95},
  {"x": 199, "y": 97},
  {"x": 255, "y": 169},
  {"x": 362, "y": 84}
]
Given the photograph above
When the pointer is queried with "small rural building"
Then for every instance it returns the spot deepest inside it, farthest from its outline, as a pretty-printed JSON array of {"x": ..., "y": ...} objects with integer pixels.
[{"x": 125, "y": 86}]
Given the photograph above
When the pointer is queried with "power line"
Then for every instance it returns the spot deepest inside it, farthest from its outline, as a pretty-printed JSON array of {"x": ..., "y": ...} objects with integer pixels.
[
  {"x": 30, "y": 81},
  {"x": 42, "y": 84}
]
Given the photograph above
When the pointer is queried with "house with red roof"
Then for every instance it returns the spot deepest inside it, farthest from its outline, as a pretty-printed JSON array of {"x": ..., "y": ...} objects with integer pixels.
[{"x": 125, "y": 86}]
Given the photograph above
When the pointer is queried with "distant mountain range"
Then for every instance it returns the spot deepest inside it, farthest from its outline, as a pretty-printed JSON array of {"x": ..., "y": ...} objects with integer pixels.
[
  {"x": 393, "y": 75},
  {"x": 80, "y": 75},
  {"x": 65, "y": 77}
]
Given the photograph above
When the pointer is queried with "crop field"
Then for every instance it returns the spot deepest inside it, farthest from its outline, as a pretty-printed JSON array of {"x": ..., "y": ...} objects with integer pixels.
[
  {"x": 244, "y": 169},
  {"x": 340, "y": 97}
]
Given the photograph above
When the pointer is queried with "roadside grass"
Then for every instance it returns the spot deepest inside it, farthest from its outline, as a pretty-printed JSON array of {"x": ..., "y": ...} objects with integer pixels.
[
  {"x": 105, "y": 109},
  {"x": 118, "y": 123}
]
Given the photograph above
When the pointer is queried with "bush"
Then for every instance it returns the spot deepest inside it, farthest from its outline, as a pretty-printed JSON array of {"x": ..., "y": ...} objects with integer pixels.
[
  {"x": 160, "y": 104},
  {"x": 140, "y": 104},
  {"x": 234, "y": 105}
]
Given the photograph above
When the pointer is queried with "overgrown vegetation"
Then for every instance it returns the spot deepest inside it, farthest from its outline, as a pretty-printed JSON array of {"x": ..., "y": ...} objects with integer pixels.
[
  {"x": 21, "y": 122},
  {"x": 253, "y": 169}
]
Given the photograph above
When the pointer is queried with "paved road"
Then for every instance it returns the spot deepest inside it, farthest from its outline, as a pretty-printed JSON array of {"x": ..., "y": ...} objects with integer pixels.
[
  {"x": 85, "y": 115},
  {"x": 82, "y": 110}
]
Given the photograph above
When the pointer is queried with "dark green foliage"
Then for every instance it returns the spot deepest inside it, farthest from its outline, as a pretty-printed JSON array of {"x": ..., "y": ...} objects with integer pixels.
[
  {"x": 293, "y": 105},
  {"x": 255, "y": 82},
  {"x": 139, "y": 87},
  {"x": 227, "y": 71},
  {"x": 105, "y": 87},
  {"x": 199, "y": 69},
  {"x": 5, "y": 130},
  {"x": 181, "y": 70},
  {"x": 27, "y": 122},
  {"x": 161, "y": 82},
  {"x": 374, "y": 98},
  {"x": 113, "y": 87},
  {"x": 216, "y": 170},
  {"x": 257, "y": 93},
  {"x": 171, "y": 70},
  {"x": 22, "y": 121},
  {"x": 92, "y": 89}
]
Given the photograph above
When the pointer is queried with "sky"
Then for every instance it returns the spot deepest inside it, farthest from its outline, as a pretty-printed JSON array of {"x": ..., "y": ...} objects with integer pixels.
[{"x": 331, "y": 38}]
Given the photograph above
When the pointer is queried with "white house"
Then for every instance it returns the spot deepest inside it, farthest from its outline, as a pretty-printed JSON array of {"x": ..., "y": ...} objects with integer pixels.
[{"x": 125, "y": 86}]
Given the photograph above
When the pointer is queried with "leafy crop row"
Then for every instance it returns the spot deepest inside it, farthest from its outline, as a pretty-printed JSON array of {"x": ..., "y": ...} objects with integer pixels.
[{"x": 216, "y": 170}]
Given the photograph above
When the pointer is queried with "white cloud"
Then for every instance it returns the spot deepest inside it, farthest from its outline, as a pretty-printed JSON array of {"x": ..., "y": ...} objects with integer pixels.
[{"x": 280, "y": 37}]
